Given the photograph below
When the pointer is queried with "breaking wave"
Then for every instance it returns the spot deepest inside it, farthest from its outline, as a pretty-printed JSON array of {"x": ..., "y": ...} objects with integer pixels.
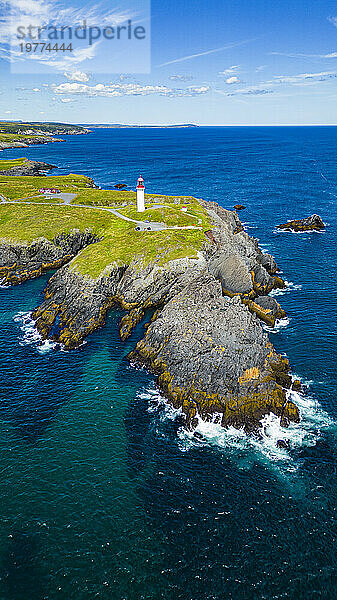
[
  {"x": 272, "y": 443},
  {"x": 30, "y": 335},
  {"x": 279, "y": 325},
  {"x": 290, "y": 287}
]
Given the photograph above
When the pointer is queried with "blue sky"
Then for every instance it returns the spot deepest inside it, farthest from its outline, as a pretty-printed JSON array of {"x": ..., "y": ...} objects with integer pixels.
[{"x": 236, "y": 62}]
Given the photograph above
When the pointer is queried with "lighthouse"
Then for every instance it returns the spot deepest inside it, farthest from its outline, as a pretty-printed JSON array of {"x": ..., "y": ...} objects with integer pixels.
[{"x": 140, "y": 195}]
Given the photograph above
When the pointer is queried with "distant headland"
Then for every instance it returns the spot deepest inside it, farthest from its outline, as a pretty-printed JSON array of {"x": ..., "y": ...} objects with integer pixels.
[{"x": 122, "y": 126}]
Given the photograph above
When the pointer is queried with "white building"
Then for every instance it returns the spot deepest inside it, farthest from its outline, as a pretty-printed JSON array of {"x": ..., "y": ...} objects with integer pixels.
[{"x": 140, "y": 195}]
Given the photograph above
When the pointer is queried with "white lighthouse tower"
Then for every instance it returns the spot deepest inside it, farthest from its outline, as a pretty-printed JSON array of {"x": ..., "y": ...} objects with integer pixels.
[{"x": 140, "y": 195}]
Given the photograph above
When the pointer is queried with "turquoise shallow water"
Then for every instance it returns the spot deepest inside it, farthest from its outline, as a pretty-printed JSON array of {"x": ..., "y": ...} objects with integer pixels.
[{"x": 102, "y": 494}]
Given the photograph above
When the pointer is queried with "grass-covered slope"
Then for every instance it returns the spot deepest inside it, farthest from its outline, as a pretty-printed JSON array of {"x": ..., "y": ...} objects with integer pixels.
[
  {"x": 5, "y": 165},
  {"x": 121, "y": 243},
  {"x": 27, "y": 215},
  {"x": 37, "y": 127},
  {"x": 21, "y": 188}
]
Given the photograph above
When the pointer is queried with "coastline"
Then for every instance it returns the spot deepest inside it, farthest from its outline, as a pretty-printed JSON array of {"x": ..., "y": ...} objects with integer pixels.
[{"x": 229, "y": 373}]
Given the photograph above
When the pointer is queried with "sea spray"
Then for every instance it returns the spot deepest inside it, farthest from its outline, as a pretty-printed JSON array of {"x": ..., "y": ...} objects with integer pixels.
[
  {"x": 30, "y": 335},
  {"x": 263, "y": 445}
]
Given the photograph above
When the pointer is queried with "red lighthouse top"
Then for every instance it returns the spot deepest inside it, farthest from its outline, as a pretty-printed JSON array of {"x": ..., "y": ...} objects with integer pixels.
[{"x": 140, "y": 183}]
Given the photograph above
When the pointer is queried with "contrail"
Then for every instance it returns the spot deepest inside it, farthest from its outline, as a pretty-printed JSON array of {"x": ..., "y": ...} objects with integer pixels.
[{"x": 228, "y": 47}]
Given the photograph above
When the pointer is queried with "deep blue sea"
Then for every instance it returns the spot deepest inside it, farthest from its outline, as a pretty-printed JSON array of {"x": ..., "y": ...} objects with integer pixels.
[{"x": 102, "y": 494}]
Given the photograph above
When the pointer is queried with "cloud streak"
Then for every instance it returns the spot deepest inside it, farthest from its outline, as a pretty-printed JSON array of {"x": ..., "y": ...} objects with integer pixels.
[{"x": 207, "y": 52}]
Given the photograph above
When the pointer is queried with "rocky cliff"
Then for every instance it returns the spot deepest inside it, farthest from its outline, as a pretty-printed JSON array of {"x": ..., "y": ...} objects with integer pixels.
[
  {"x": 20, "y": 262},
  {"x": 205, "y": 342}
]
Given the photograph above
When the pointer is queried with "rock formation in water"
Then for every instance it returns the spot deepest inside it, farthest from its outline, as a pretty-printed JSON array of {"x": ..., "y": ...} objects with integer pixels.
[
  {"x": 205, "y": 341},
  {"x": 313, "y": 223}
]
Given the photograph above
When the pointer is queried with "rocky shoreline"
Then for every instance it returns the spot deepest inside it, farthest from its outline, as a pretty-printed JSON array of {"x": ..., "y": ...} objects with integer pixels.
[
  {"x": 29, "y": 141},
  {"x": 205, "y": 342},
  {"x": 28, "y": 168}
]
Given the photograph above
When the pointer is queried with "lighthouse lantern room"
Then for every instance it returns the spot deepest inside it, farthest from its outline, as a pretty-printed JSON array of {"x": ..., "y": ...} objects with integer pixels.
[{"x": 140, "y": 195}]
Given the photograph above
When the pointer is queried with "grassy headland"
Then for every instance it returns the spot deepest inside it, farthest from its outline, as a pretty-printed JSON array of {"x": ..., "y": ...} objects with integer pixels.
[{"x": 28, "y": 216}]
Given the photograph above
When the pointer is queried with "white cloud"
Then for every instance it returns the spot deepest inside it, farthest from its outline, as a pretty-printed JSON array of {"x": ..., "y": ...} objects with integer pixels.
[
  {"x": 232, "y": 80},
  {"x": 77, "y": 76},
  {"x": 66, "y": 100},
  {"x": 36, "y": 90},
  {"x": 44, "y": 13},
  {"x": 125, "y": 89},
  {"x": 256, "y": 91},
  {"x": 230, "y": 70},
  {"x": 303, "y": 55},
  {"x": 181, "y": 77},
  {"x": 333, "y": 20},
  {"x": 303, "y": 77}
]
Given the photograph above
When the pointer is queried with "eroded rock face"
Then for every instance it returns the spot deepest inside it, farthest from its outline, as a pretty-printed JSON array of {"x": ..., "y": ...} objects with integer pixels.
[
  {"x": 232, "y": 271},
  {"x": 313, "y": 223},
  {"x": 213, "y": 358},
  {"x": 20, "y": 262}
]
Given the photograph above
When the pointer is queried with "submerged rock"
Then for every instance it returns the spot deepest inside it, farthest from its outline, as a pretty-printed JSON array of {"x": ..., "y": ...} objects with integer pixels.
[{"x": 313, "y": 223}]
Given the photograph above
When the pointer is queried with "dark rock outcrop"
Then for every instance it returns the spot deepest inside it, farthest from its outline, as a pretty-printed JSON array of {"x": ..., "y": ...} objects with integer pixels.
[
  {"x": 120, "y": 186},
  {"x": 313, "y": 223},
  {"x": 213, "y": 358},
  {"x": 239, "y": 207},
  {"x": 20, "y": 262},
  {"x": 271, "y": 308}
]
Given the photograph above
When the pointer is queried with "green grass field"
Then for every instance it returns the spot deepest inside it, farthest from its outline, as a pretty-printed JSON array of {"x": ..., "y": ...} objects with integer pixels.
[
  {"x": 16, "y": 188},
  {"x": 120, "y": 244},
  {"x": 22, "y": 219},
  {"x": 49, "y": 128},
  {"x": 16, "y": 137},
  {"x": 5, "y": 165}
]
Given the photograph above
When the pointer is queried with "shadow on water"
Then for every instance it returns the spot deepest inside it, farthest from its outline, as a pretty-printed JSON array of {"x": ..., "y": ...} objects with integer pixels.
[{"x": 22, "y": 573}]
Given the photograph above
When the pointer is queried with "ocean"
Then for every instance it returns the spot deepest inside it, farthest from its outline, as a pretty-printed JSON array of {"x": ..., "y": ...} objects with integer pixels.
[{"x": 103, "y": 493}]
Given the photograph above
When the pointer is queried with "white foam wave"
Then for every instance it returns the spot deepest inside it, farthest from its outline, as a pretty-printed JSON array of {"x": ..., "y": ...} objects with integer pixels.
[
  {"x": 291, "y": 231},
  {"x": 246, "y": 448},
  {"x": 279, "y": 325},
  {"x": 30, "y": 335},
  {"x": 290, "y": 287},
  {"x": 4, "y": 285}
]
